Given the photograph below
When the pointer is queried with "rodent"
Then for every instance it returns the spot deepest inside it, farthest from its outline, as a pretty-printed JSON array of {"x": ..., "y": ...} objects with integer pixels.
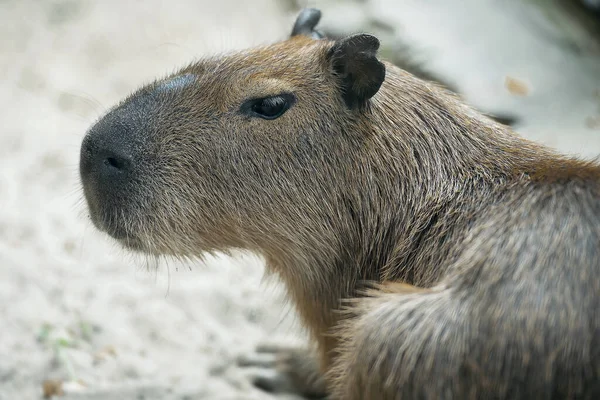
[{"x": 431, "y": 252}]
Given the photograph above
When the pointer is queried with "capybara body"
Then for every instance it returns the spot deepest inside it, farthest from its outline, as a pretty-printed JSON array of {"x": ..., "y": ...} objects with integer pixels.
[{"x": 431, "y": 252}]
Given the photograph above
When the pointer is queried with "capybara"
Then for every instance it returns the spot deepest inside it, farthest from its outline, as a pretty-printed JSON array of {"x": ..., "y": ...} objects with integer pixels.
[{"x": 431, "y": 252}]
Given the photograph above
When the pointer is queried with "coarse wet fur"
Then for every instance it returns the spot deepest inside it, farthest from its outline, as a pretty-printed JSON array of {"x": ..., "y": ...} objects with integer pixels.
[{"x": 431, "y": 252}]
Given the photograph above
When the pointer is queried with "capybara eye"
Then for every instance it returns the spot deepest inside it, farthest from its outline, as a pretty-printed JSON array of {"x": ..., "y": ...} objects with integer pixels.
[{"x": 269, "y": 107}]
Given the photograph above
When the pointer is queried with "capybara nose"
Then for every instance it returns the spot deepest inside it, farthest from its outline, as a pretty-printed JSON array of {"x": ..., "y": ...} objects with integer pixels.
[
  {"x": 112, "y": 157},
  {"x": 104, "y": 163},
  {"x": 114, "y": 163}
]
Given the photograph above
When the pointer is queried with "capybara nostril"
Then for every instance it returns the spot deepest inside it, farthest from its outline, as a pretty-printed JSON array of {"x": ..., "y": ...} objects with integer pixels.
[
  {"x": 103, "y": 161},
  {"x": 116, "y": 162}
]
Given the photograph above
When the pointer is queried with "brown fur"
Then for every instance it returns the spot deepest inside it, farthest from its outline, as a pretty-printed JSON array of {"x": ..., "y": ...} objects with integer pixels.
[{"x": 488, "y": 243}]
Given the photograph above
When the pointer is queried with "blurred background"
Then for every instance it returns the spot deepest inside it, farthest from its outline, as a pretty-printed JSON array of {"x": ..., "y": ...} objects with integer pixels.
[{"x": 83, "y": 319}]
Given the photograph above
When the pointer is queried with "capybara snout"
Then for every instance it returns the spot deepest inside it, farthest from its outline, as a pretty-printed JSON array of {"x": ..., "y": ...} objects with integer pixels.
[{"x": 115, "y": 160}]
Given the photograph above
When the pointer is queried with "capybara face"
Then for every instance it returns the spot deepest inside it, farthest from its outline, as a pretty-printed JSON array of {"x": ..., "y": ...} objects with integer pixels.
[{"x": 218, "y": 154}]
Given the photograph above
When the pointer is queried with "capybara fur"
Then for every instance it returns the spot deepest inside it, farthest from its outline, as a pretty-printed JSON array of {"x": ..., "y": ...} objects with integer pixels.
[{"x": 431, "y": 252}]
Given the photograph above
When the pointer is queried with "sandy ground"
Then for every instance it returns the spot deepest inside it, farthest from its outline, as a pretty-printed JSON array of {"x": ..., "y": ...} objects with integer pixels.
[{"x": 76, "y": 308}]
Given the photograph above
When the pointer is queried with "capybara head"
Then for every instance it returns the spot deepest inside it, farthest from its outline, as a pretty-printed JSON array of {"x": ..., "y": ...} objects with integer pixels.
[{"x": 245, "y": 150}]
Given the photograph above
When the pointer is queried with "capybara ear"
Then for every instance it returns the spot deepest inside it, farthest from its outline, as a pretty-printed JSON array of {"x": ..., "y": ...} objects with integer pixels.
[
  {"x": 360, "y": 73},
  {"x": 306, "y": 22}
]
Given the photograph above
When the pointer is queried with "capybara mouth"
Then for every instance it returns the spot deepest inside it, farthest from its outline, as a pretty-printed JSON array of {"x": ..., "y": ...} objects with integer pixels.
[
  {"x": 116, "y": 232},
  {"x": 111, "y": 227},
  {"x": 125, "y": 238}
]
